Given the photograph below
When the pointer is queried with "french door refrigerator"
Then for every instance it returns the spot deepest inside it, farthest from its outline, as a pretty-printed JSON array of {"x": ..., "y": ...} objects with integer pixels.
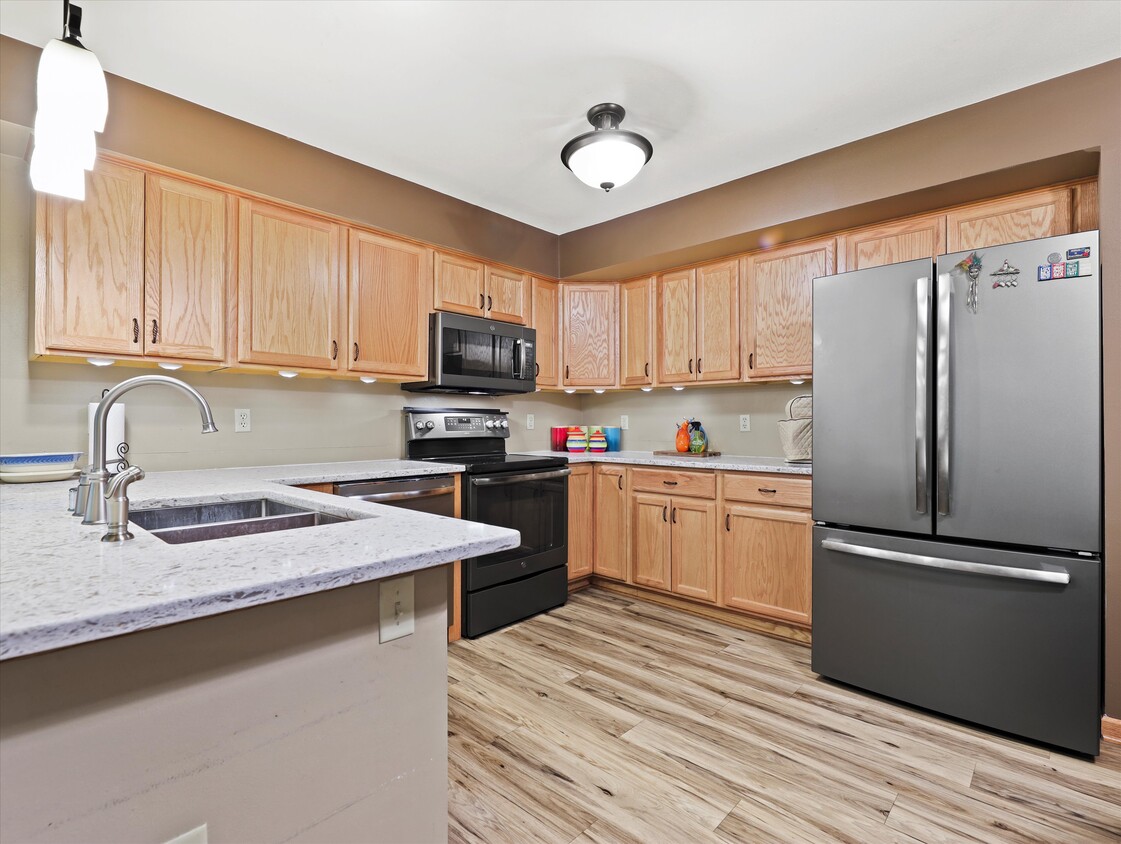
[{"x": 957, "y": 491}]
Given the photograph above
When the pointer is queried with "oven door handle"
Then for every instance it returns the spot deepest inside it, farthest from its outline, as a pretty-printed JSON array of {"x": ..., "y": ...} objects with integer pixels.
[{"x": 516, "y": 478}]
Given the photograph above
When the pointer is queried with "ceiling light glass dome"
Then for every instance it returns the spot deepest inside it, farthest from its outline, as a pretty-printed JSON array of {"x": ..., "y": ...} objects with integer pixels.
[{"x": 608, "y": 156}]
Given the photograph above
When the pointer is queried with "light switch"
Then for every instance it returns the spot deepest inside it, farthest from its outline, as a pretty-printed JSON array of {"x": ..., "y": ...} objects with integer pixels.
[{"x": 395, "y": 599}]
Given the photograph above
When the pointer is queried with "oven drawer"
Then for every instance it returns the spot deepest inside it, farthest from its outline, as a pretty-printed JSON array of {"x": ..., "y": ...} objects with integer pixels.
[
  {"x": 768, "y": 489},
  {"x": 699, "y": 484}
]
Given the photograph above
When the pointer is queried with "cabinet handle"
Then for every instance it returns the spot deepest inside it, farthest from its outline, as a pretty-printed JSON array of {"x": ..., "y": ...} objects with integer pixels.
[
  {"x": 356, "y": 351},
  {"x": 674, "y": 519},
  {"x": 699, "y": 365},
  {"x": 537, "y": 369},
  {"x": 566, "y": 372},
  {"x": 334, "y": 350},
  {"x": 728, "y": 522},
  {"x": 670, "y": 483},
  {"x": 490, "y": 303},
  {"x": 664, "y": 508},
  {"x": 646, "y": 369},
  {"x": 620, "y": 482},
  {"x": 767, "y": 491},
  {"x": 155, "y": 331},
  {"x": 751, "y": 361},
  {"x": 690, "y": 366},
  {"x": 135, "y": 330},
  {"x": 482, "y": 302}
]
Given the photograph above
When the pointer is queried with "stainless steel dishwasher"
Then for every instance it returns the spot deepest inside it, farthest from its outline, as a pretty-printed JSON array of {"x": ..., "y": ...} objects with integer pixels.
[{"x": 430, "y": 494}]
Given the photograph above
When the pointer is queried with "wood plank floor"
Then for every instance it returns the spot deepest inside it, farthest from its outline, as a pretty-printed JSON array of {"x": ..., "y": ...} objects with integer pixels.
[{"x": 613, "y": 720}]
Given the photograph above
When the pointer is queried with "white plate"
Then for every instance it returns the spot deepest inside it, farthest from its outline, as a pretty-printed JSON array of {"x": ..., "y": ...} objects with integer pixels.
[{"x": 37, "y": 477}]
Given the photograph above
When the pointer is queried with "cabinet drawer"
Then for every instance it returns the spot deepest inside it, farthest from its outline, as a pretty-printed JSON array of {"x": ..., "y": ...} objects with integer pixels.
[
  {"x": 767, "y": 489},
  {"x": 700, "y": 484}
]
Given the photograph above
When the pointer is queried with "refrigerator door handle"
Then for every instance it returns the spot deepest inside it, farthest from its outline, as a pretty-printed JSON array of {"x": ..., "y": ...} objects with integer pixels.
[
  {"x": 962, "y": 566},
  {"x": 922, "y": 333},
  {"x": 942, "y": 386}
]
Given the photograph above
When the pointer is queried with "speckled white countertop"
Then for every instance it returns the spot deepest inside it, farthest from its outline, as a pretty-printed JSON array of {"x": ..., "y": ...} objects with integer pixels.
[
  {"x": 60, "y": 585},
  {"x": 725, "y": 462}
]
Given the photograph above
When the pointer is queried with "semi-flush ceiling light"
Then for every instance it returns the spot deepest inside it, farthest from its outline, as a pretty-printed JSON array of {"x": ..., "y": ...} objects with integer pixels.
[
  {"x": 608, "y": 156},
  {"x": 73, "y": 102}
]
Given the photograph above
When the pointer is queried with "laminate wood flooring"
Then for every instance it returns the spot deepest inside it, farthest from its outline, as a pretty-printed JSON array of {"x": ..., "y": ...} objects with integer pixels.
[{"x": 616, "y": 720}]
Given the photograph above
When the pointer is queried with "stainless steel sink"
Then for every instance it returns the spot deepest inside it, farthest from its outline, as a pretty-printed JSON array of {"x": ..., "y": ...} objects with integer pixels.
[{"x": 221, "y": 519}]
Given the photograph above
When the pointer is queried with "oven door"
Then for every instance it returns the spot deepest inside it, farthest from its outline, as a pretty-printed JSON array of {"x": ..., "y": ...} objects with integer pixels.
[{"x": 534, "y": 504}]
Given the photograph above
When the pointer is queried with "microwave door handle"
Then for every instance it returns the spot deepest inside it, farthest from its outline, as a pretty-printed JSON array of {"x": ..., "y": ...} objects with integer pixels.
[{"x": 517, "y": 363}]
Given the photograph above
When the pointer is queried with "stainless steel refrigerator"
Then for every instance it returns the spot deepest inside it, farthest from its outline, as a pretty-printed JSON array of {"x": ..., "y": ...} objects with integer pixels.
[{"x": 957, "y": 488}]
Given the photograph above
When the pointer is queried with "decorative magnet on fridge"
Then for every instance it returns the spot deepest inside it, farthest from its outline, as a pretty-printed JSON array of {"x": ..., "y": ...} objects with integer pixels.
[
  {"x": 971, "y": 266},
  {"x": 1006, "y": 276}
]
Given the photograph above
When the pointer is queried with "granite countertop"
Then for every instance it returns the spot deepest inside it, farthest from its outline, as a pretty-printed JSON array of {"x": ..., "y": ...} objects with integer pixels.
[
  {"x": 725, "y": 462},
  {"x": 60, "y": 585}
]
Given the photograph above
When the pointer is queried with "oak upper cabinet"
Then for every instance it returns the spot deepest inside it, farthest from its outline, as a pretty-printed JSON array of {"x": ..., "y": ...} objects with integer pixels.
[
  {"x": 611, "y": 520},
  {"x": 766, "y": 540},
  {"x": 581, "y": 523},
  {"x": 692, "y": 547},
  {"x": 1025, "y": 216},
  {"x": 387, "y": 305},
  {"x": 507, "y": 295},
  {"x": 650, "y": 540},
  {"x": 289, "y": 269},
  {"x": 188, "y": 264},
  {"x": 698, "y": 324},
  {"x": 458, "y": 284},
  {"x": 778, "y": 312},
  {"x": 545, "y": 321},
  {"x": 90, "y": 274},
  {"x": 591, "y": 338},
  {"x": 890, "y": 243},
  {"x": 636, "y": 332}
]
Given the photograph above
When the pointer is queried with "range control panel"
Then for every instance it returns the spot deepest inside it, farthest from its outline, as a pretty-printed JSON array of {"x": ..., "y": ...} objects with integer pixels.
[{"x": 448, "y": 423}]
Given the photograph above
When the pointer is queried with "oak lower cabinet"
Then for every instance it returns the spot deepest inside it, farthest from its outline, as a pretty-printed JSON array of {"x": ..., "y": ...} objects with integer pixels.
[
  {"x": 289, "y": 287},
  {"x": 650, "y": 542},
  {"x": 765, "y": 549},
  {"x": 590, "y": 339},
  {"x": 546, "y": 322},
  {"x": 387, "y": 305},
  {"x": 581, "y": 521},
  {"x": 693, "y": 548},
  {"x": 778, "y": 312},
  {"x": 611, "y": 522}
]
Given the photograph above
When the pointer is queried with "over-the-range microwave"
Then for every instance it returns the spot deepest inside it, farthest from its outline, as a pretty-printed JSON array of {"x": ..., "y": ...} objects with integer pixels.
[{"x": 478, "y": 356}]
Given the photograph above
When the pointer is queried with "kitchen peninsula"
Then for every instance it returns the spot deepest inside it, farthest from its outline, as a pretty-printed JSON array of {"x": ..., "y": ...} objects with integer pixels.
[{"x": 251, "y": 693}]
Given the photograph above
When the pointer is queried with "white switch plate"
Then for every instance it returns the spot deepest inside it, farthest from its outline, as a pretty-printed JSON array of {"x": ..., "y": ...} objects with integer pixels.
[
  {"x": 745, "y": 421},
  {"x": 529, "y": 421},
  {"x": 395, "y": 598},
  {"x": 195, "y": 836},
  {"x": 625, "y": 423},
  {"x": 242, "y": 422}
]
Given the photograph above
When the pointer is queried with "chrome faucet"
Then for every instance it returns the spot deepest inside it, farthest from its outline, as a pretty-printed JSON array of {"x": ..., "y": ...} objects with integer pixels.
[
  {"x": 116, "y": 493},
  {"x": 91, "y": 488}
]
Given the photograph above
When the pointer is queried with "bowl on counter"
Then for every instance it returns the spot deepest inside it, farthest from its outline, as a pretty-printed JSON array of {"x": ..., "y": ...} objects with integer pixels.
[{"x": 34, "y": 468}]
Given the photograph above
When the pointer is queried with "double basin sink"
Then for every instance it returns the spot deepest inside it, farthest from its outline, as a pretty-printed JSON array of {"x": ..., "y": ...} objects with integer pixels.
[{"x": 222, "y": 519}]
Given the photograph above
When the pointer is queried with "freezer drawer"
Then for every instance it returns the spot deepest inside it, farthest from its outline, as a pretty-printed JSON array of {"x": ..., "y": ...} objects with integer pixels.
[{"x": 998, "y": 639}]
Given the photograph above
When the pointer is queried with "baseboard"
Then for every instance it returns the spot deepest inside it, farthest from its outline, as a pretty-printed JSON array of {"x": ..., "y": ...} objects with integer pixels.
[
  {"x": 731, "y": 617},
  {"x": 579, "y": 583},
  {"x": 1111, "y": 729}
]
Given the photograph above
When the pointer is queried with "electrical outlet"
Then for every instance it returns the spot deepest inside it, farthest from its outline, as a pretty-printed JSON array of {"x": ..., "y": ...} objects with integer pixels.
[
  {"x": 241, "y": 421},
  {"x": 529, "y": 421},
  {"x": 395, "y": 598},
  {"x": 745, "y": 421},
  {"x": 195, "y": 836},
  {"x": 625, "y": 423}
]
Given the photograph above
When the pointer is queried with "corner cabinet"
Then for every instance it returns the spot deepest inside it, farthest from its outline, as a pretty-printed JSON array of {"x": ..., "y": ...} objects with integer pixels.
[
  {"x": 581, "y": 521},
  {"x": 545, "y": 321},
  {"x": 289, "y": 269},
  {"x": 778, "y": 310},
  {"x": 590, "y": 339},
  {"x": 388, "y": 284}
]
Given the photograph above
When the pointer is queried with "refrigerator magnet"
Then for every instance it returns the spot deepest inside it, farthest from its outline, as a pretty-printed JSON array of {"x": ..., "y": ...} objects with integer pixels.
[
  {"x": 1080, "y": 252},
  {"x": 1006, "y": 276},
  {"x": 1044, "y": 272}
]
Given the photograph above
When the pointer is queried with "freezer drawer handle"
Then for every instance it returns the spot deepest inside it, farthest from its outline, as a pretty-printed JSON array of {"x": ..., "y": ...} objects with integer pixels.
[
  {"x": 922, "y": 330},
  {"x": 942, "y": 402},
  {"x": 962, "y": 566}
]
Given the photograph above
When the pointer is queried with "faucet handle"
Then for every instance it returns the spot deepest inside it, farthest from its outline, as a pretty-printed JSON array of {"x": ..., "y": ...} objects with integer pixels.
[
  {"x": 118, "y": 484},
  {"x": 116, "y": 493}
]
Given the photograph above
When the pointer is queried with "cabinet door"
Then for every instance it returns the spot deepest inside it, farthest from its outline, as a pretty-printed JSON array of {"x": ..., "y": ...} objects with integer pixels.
[
  {"x": 507, "y": 295},
  {"x": 718, "y": 321},
  {"x": 545, "y": 322},
  {"x": 591, "y": 337},
  {"x": 650, "y": 540},
  {"x": 289, "y": 267},
  {"x": 581, "y": 524},
  {"x": 677, "y": 321},
  {"x": 766, "y": 561},
  {"x": 1027, "y": 216},
  {"x": 458, "y": 284},
  {"x": 188, "y": 260},
  {"x": 892, "y": 243},
  {"x": 636, "y": 332},
  {"x": 611, "y": 522},
  {"x": 388, "y": 305},
  {"x": 693, "y": 548},
  {"x": 779, "y": 310},
  {"x": 90, "y": 265}
]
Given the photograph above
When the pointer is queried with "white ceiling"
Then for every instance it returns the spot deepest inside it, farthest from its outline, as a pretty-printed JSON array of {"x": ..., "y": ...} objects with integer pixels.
[{"x": 476, "y": 99}]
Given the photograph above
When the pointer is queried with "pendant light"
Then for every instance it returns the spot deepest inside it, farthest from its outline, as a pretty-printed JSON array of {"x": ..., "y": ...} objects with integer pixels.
[
  {"x": 73, "y": 102},
  {"x": 608, "y": 156}
]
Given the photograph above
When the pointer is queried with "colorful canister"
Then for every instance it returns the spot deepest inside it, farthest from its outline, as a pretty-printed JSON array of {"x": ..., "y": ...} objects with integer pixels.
[
  {"x": 577, "y": 439},
  {"x": 558, "y": 437},
  {"x": 597, "y": 441},
  {"x": 614, "y": 437}
]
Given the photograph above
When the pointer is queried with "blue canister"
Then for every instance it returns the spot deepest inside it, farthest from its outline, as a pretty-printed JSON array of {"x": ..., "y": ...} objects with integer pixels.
[{"x": 614, "y": 437}]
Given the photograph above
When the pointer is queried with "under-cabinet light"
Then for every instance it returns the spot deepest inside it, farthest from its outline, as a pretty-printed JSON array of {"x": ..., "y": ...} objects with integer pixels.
[
  {"x": 679, "y": 388},
  {"x": 570, "y": 392},
  {"x": 600, "y": 392},
  {"x": 797, "y": 380},
  {"x": 367, "y": 379},
  {"x": 647, "y": 389},
  {"x": 101, "y": 361},
  {"x": 287, "y": 373},
  {"x": 171, "y": 366}
]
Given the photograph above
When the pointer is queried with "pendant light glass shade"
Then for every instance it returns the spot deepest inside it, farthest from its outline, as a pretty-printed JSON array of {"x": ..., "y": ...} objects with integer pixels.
[{"x": 608, "y": 156}]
